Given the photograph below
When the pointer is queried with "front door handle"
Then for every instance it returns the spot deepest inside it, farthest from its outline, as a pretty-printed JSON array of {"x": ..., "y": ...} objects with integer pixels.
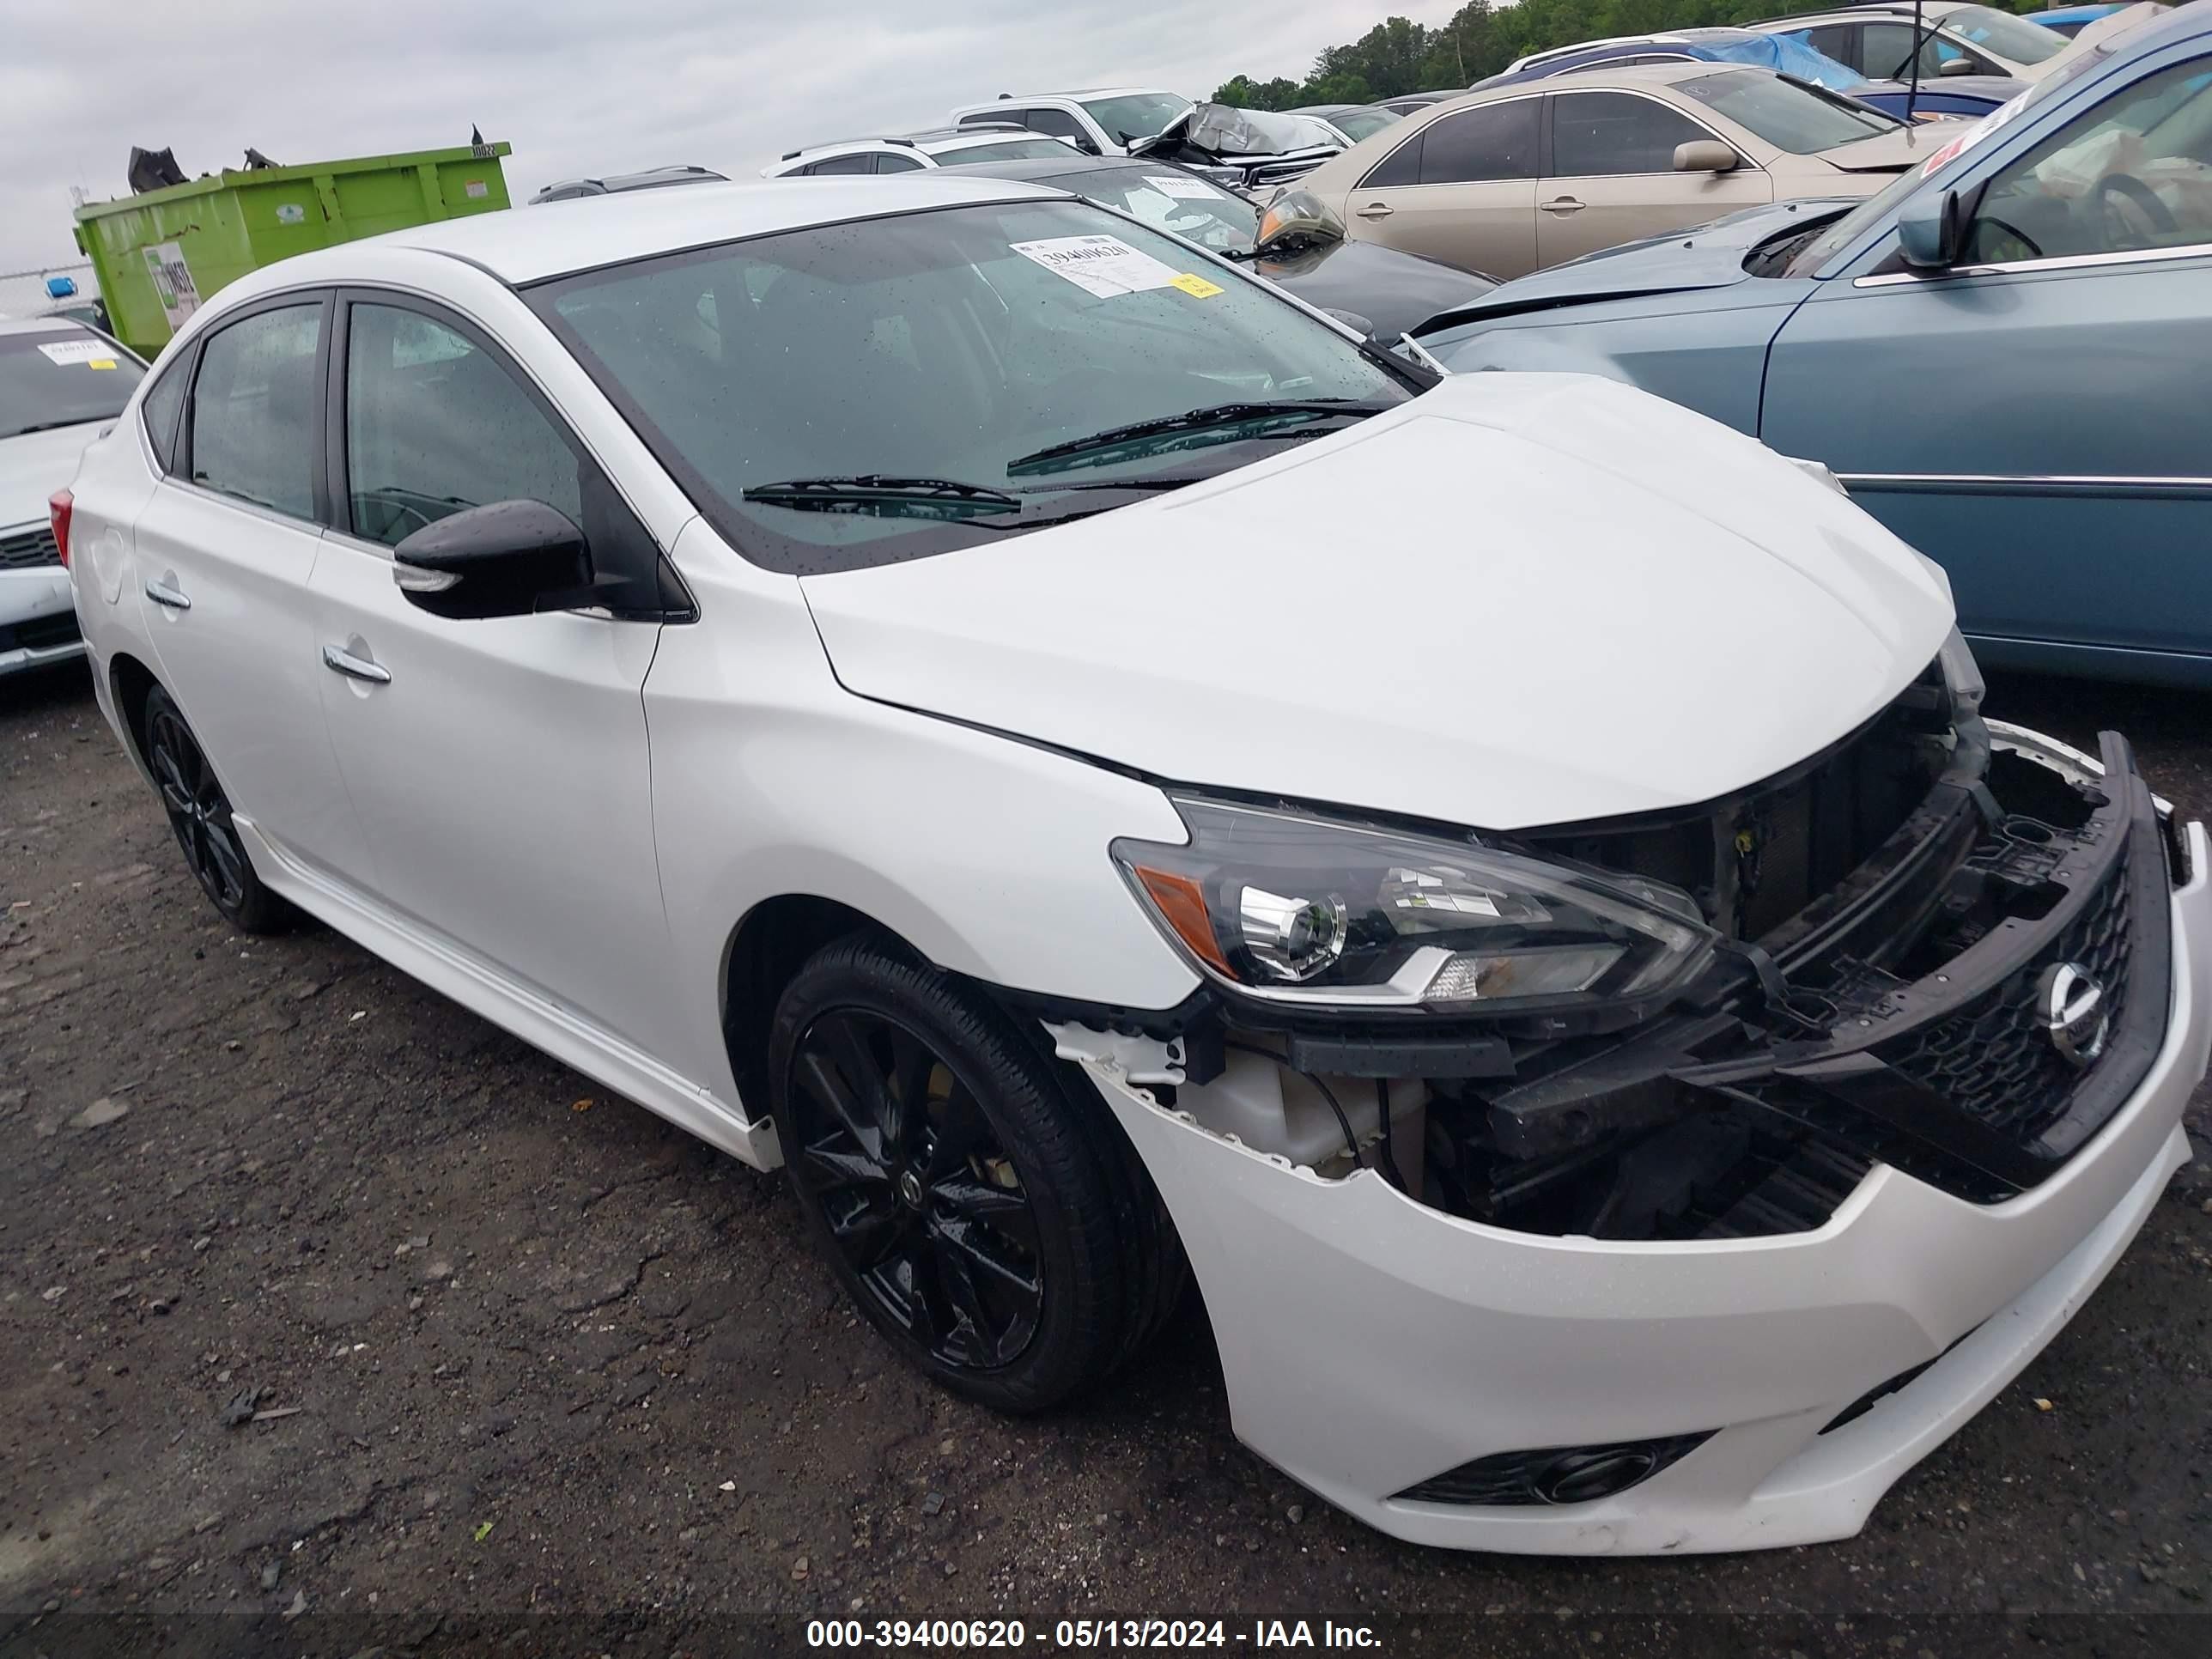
[
  {"x": 1563, "y": 204},
  {"x": 354, "y": 668},
  {"x": 1374, "y": 210},
  {"x": 162, "y": 593}
]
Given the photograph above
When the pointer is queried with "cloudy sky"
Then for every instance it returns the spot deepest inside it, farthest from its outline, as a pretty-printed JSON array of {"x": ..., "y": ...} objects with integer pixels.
[{"x": 576, "y": 86}]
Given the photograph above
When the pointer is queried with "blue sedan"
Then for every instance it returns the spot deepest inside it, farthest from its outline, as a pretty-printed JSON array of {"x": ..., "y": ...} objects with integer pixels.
[{"x": 2002, "y": 356}]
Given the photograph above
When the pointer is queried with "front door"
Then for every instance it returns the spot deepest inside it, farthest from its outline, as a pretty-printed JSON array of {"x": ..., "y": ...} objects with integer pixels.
[
  {"x": 1462, "y": 189},
  {"x": 2034, "y": 420},
  {"x": 499, "y": 767},
  {"x": 225, "y": 547},
  {"x": 1612, "y": 177}
]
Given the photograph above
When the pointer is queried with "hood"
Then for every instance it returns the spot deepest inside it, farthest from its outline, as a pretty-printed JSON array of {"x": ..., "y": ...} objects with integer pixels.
[
  {"x": 1711, "y": 256},
  {"x": 1997, "y": 88},
  {"x": 37, "y": 463},
  {"x": 1223, "y": 130},
  {"x": 1519, "y": 599},
  {"x": 1396, "y": 292},
  {"x": 1886, "y": 152}
]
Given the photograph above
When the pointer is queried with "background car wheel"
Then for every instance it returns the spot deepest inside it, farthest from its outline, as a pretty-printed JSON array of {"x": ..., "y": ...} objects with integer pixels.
[
  {"x": 996, "y": 1226},
  {"x": 199, "y": 813}
]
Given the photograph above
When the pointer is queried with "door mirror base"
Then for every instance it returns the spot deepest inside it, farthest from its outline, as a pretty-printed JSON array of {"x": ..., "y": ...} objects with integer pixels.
[{"x": 505, "y": 559}]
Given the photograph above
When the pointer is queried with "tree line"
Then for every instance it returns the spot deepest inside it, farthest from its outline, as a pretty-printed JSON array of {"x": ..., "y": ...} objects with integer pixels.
[{"x": 1398, "y": 56}]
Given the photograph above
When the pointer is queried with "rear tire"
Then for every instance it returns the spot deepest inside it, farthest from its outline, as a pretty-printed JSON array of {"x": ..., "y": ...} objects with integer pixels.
[
  {"x": 200, "y": 817},
  {"x": 995, "y": 1225}
]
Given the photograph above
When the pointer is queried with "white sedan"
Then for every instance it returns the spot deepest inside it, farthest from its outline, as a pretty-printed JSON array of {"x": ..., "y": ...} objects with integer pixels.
[
  {"x": 60, "y": 382},
  {"x": 1103, "y": 775}
]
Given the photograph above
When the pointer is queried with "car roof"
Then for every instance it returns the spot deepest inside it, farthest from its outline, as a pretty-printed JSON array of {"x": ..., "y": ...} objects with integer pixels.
[
  {"x": 1074, "y": 165},
  {"x": 926, "y": 138},
  {"x": 645, "y": 179},
  {"x": 43, "y": 325},
  {"x": 558, "y": 237},
  {"x": 1082, "y": 92},
  {"x": 1642, "y": 73}
]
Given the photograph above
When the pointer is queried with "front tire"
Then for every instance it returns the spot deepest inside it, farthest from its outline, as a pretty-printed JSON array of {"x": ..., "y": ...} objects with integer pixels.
[
  {"x": 200, "y": 815},
  {"x": 993, "y": 1224}
]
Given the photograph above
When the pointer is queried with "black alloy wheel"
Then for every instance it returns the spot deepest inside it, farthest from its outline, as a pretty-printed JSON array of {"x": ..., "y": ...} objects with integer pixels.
[
  {"x": 979, "y": 1203},
  {"x": 919, "y": 1196},
  {"x": 199, "y": 813}
]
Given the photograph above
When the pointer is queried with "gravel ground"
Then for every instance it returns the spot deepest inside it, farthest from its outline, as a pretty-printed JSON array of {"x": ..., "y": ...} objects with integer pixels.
[{"x": 533, "y": 1372}]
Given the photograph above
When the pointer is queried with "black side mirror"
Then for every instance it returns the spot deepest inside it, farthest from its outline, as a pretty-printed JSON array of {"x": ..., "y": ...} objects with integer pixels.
[{"x": 505, "y": 559}]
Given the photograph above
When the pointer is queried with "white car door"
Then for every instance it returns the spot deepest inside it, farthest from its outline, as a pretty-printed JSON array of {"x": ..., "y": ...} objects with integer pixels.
[
  {"x": 224, "y": 548},
  {"x": 498, "y": 766}
]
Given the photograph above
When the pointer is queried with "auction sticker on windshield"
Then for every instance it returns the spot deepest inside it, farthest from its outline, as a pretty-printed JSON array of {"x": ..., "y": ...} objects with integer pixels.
[
  {"x": 1183, "y": 190},
  {"x": 1104, "y": 265},
  {"x": 93, "y": 354}
]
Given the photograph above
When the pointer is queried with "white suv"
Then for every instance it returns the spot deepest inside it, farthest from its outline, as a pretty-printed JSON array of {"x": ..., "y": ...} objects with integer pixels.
[
  {"x": 947, "y": 147},
  {"x": 1095, "y": 768},
  {"x": 1106, "y": 121}
]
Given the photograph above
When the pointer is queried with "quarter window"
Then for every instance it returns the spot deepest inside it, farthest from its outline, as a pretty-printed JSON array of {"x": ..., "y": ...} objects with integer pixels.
[
  {"x": 864, "y": 162},
  {"x": 435, "y": 423},
  {"x": 2132, "y": 175},
  {"x": 163, "y": 401},
  {"x": 1482, "y": 145},
  {"x": 1597, "y": 133},
  {"x": 255, "y": 422}
]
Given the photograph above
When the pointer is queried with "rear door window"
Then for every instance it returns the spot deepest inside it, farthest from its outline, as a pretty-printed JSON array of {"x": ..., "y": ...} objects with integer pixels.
[
  {"x": 256, "y": 420},
  {"x": 1483, "y": 145}
]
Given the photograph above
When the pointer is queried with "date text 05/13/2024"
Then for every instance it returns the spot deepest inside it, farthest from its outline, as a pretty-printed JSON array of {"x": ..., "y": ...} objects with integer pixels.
[{"x": 1084, "y": 1633}]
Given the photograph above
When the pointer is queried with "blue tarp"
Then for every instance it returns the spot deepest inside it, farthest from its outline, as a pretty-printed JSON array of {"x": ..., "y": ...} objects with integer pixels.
[{"x": 1790, "y": 54}]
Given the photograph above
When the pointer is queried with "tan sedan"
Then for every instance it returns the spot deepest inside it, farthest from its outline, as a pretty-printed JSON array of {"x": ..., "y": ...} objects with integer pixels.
[{"x": 1515, "y": 179}]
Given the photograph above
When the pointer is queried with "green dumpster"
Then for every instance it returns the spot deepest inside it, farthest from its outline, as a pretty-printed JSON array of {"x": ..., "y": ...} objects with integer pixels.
[{"x": 159, "y": 254}]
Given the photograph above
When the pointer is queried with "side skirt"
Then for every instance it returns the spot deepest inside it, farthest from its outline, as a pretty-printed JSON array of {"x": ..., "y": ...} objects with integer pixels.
[{"x": 560, "y": 1031}]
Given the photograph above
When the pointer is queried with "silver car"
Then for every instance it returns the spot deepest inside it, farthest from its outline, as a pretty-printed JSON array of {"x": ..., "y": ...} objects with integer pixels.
[{"x": 60, "y": 382}]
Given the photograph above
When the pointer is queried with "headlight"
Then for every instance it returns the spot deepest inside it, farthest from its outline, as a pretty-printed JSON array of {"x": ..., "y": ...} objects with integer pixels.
[
  {"x": 1304, "y": 910},
  {"x": 1297, "y": 216}
]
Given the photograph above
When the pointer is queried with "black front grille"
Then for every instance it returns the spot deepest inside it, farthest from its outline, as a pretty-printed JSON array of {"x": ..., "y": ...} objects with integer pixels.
[
  {"x": 42, "y": 632},
  {"x": 30, "y": 550},
  {"x": 1993, "y": 1059}
]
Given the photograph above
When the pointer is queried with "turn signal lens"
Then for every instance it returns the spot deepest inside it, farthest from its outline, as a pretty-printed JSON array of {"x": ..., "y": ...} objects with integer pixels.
[{"x": 59, "y": 506}]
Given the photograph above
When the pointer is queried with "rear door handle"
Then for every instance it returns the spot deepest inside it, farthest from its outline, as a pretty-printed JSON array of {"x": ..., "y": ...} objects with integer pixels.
[
  {"x": 1563, "y": 204},
  {"x": 1374, "y": 210},
  {"x": 354, "y": 668},
  {"x": 162, "y": 593}
]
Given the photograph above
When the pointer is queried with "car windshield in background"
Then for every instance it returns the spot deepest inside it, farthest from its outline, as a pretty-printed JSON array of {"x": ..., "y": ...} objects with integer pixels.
[
  {"x": 1789, "y": 115},
  {"x": 1181, "y": 204},
  {"x": 64, "y": 377},
  {"x": 2008, "y": 36},
  {"x": 1138, "y": 115},
  {"x": 1356, "y": 124},
  {"x": 856, "y": 394},
  {"x": 1013, "y": 149}
]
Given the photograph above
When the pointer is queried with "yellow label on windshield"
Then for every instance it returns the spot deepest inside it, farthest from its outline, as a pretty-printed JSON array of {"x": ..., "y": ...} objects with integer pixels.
[
  {"x": 1197, "y": 287},
  {"x": 101, "y": 363}
]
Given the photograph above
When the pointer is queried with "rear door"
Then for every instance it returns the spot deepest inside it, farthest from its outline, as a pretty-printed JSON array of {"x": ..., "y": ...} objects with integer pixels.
[
  {"x": 1611, "y": 175},
  {"x": 226, "y": 547},
  {"x": 499, "y": 766},
  {"x": 1462, "y": 189},
  {"x": 2034, "y": 419}
]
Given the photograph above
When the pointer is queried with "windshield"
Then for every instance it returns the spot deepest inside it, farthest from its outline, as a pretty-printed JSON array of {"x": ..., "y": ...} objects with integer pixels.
[
  {"x": 62, "y": 377},
  {"x": 1136, "y": 114},
  {"x": 1809, "y": 259},
  {"x": 1788, "y": 116},
  {"x": 2008, "y": 36},
  {"x": 1359, "y": 123},
  {"x": 927, "y": 363},
  {"x": 1011, "y": 150},
  {"x": 1179, "y": 203}
]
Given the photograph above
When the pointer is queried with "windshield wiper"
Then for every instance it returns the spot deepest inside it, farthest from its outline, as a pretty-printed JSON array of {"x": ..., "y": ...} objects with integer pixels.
[
  {"x": 886, "y": 496},
  {"x": 55, "y": 425},
  {"x": 1270, "y": 411}
]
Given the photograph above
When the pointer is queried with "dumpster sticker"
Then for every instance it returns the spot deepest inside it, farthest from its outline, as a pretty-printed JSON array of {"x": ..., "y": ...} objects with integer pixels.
[
  {"x": 477, "y": 190},
  {"x": 173, "y": 282},
  {"x": 93, "y": 354},
  {"x": 1104, "y": 265},
  {"x": 291, "y": 213}
]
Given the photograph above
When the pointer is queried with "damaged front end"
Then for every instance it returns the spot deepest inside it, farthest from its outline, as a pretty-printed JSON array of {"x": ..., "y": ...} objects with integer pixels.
[
  {"x": 1252, "y": 151},
  {"x": 1941, "y": 944}
]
